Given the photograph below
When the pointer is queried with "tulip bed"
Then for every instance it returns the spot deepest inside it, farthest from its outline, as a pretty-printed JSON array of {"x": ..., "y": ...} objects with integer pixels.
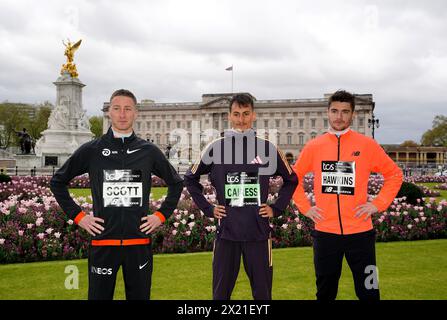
[{"x": 34, "y": 228}]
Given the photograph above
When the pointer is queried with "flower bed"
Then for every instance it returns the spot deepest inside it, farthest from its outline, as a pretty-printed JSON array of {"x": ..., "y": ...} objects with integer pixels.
[{"x": 34, "y": 228}]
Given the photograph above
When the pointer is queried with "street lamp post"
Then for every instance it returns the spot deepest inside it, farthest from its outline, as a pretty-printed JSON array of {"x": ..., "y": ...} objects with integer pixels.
[{"x": 374, "y": 123}]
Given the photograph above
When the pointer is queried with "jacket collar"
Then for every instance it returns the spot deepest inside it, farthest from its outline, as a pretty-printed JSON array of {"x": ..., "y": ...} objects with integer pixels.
[{"x": 109, "y": 135}]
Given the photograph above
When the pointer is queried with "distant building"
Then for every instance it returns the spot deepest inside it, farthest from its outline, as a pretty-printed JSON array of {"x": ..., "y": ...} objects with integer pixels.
[
  {"x": 418, "y": 156},
  {"x": 296, "y": 121}
]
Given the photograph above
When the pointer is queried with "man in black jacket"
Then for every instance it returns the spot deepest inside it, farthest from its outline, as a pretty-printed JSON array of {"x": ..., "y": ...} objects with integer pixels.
[
  {"x": 240, "y": 166},
  {"x": 120, "y": 166}
]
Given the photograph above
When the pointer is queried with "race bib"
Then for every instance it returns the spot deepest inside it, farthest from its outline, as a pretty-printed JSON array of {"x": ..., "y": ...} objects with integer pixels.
[
  {"x": 122, "y": 188},
  {"x": 242, "y": 189},
  {"x": 338, "y": 177}
]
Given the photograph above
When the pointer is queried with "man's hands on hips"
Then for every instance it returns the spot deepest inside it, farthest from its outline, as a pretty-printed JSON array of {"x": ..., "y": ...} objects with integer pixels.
[
  {"x": 366, "y": 210},
  {"x": 219, "y": 212},
  {"x": 266, "y": 211},
  {"x": 91, "y": 224},
  {"x": 151, "y": 223},
  {"x": 314, "y": 213}
]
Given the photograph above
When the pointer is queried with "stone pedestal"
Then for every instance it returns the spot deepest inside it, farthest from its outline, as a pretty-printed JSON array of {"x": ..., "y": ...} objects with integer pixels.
[{"x": 68, "y": 125}]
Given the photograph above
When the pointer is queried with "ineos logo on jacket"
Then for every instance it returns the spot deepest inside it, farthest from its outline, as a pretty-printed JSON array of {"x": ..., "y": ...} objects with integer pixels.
[{"x": 101, "y": 271}]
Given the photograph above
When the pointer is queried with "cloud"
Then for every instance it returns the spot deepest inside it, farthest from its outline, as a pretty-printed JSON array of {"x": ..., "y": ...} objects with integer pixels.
[{"x": 172, "y": 51}]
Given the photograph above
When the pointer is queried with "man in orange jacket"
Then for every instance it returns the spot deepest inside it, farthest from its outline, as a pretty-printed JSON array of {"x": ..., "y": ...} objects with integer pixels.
[{"x": 341, "y": 161}]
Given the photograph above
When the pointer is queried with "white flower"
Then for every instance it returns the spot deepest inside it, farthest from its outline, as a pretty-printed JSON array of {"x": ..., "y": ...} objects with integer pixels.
[
  {"x": 423, "y": 218},
  {"x": 70, "y": 222},
  {"x": 188, "y": 233},
  {"x": 174, "y": 232},
  {"x": 49, "y": 230},
  {"x": 191, "y": 224},
  {"x": 29, "y": 225},
  {"x": 41, "y": 235},
  {"x": 183, "y": 221},
  {"x": 39, "y": 221},
  {"x": 57, "y": 235},
  {"x": 2, "y": 241},
  {"x": 410, "y": 226},
  {"x": 176, "y": 224},
  {"x": 421, "y": 214},
  {"x": 299, "y": 226},
  {"x": 284, "y": 226},
  {"x": 191, "y": 216}
]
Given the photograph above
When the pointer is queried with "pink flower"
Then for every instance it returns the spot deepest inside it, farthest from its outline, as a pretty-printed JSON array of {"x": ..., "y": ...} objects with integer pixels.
[
  {"x": 39, "y": 221},
  {"x": 188, "y": 233},
  {"x": 41, "y": 236},
  {"x": 22, "y": 210},
  {"x": 174, "y": 232},
  {"x": 299, "y": 226},
  {"x": 20, "y": 233},
  {"x": 49, "y": 230},
  {"x": 70, "y": 222},
  {"x": 423, "y": 218},
  {"x": 416, "y": 220},
  {"x": 191, "y": 224},
  {"x": 176, "y": 224},
  {"x": 2, "y": 241},
  {"x": 29, "y": 225}
]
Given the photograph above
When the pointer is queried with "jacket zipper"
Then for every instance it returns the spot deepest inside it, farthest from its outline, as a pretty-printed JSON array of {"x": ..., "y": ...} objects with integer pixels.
[
  {"x": 122, "y": 213},
  {"x": 338, "y": 194}
]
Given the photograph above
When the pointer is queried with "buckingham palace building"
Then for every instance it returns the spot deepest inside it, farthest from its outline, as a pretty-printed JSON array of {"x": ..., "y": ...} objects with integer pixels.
[{"x": 181, "y": 130}]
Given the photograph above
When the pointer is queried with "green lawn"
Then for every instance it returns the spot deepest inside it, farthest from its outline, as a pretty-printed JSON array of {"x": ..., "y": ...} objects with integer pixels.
[
  {"x": 157, "y": 192},
  {"x": 432, "y": 185},
  {"x": 407, "y": 270}
]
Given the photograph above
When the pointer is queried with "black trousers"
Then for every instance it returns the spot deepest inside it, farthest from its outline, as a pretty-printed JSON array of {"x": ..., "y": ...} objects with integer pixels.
[
  {"x": 359, "y": 250},
  {"x": 257, "y": 258},
  {"x": 104, "y": 263}
]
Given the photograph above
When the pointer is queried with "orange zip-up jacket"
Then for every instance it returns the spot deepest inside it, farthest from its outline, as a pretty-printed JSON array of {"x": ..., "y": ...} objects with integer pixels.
[{"x": 341, "y": 167}]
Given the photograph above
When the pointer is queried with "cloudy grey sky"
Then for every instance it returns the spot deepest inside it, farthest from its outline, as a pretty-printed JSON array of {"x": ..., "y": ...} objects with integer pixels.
[{"x": 174, "y": 51}]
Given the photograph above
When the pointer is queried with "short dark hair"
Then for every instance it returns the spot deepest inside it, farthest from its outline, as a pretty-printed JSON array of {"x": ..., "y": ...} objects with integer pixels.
[
  {"x": 242, "y": 100},
  {"x": 343, "y": 96},
  {"x": 124, "y": 93}
]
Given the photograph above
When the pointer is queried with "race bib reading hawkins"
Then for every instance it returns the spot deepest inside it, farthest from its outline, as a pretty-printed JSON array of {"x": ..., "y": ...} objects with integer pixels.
[{"x": 338, "y": 177}]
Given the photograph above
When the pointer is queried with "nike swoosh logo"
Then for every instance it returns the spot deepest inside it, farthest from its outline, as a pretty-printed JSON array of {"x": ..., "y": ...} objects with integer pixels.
[
  {"x": 132, "y": 151},
  {"x": 142, "y": 266}
]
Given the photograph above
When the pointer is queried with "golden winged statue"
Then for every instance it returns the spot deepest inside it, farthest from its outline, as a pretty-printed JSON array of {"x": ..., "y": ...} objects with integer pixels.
[{"x": 70, "y": 67}]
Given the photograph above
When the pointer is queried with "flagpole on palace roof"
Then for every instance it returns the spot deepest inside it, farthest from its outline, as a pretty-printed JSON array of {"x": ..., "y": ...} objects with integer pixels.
[{"x": 232, "y": 77}]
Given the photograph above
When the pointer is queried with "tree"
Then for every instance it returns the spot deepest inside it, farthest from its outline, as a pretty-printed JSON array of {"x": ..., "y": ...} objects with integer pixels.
[
  {"x": 96, "y": 125},
  {"x": 12, "y": 118},
  {"x": 40, "y": 122},
  {"x": 409, "y": 143},
  {"x": 437, "y": 135}
]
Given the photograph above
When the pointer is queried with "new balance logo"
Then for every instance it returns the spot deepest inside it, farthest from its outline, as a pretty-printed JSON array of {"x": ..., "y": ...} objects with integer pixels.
[
  {"x": 256, "y": 160},
  {"x": 132, "y": 151}
]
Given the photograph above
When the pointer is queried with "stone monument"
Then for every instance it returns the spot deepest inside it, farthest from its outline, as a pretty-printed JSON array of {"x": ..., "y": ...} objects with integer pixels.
[{"x": 68, "y": 125}]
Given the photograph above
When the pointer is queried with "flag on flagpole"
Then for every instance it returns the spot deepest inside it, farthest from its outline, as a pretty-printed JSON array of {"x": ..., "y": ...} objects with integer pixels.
[{"x": 229, "y": 68}]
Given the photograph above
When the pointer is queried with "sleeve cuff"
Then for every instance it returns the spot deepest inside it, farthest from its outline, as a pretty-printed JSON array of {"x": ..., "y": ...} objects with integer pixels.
[
  {"x": 79, "y": 217},
  {"x": 160, "y": 216}
]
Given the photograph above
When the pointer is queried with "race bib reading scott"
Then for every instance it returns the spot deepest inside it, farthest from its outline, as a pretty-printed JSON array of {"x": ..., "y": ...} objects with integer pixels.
[
  {"x": 338, "y": 177},
  {"x": 122, "y": 188},
  {"x": 242, "y": 189}
]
